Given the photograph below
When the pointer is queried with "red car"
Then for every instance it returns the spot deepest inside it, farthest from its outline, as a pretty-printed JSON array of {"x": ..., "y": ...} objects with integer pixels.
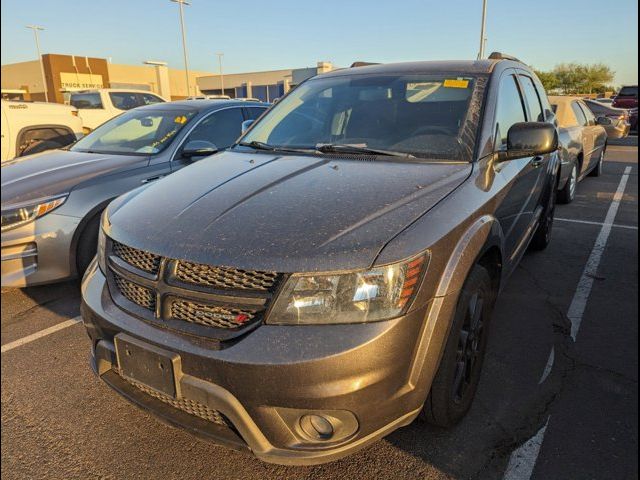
[{"x": 628, "y": 98}]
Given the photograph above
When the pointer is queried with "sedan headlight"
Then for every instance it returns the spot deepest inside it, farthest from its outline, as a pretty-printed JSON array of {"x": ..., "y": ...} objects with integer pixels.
[
  {"x": 355, "y": 297},
  {"x": 16, "y": 217}
]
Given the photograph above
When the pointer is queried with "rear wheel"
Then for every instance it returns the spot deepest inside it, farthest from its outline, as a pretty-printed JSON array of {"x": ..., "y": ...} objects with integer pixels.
[
  {"x": 568, "y": 193},
  {"x": 597, "y": 171},
  {"x": 456, "y": 381},
  {"x": 87, "y": 245}
]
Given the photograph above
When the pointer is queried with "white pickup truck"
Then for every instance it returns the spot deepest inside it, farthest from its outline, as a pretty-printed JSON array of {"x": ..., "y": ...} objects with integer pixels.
[
  {"x": 33, "y": 127},
  {"x": 97, "y": 106}
]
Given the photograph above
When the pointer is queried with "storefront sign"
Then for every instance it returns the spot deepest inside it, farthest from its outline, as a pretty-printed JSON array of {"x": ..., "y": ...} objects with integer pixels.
[{"x": 80, "y": 81}]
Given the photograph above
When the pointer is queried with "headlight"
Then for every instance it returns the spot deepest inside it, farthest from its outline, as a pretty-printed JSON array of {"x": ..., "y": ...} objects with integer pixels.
[
  {"x": 19, "y": 216},
  {"x": 355, "y": 297},
  {"x": 102, "y": 242}
]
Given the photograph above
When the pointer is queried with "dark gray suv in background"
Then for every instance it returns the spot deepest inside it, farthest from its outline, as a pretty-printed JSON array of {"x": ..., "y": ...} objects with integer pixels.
[{"x": 332, "y": 276}]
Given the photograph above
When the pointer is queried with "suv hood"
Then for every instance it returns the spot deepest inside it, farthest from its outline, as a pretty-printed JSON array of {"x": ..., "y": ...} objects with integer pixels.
[
  {"x": 281, "y": 213},
  {"x": 55, "y": 172}
]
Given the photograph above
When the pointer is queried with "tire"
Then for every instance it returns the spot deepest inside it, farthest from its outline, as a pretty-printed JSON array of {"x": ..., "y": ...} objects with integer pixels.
[
  {"x": 456, "y": 381},
  {"x": 40, "y": 146},
  {"x": 597, "y": 170},
  {"x": 568, "y": 193},
  {"x": 542, "y": 236},
  {"x": 87, "y": 245}
]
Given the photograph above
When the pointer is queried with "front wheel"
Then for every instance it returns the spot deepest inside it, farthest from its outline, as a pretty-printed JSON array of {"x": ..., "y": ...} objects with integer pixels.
[{"x": 456, "y": 381}]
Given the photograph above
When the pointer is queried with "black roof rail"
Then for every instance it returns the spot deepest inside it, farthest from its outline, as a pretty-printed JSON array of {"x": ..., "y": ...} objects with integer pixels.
[
  {"x": 503, "y": 56},
  {"x": 363, "y": 64}
]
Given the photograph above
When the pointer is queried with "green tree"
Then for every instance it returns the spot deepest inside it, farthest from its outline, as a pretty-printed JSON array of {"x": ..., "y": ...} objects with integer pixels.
[
  {"x": 548, "y": 79},
  {"x": 595, "y": 77}
]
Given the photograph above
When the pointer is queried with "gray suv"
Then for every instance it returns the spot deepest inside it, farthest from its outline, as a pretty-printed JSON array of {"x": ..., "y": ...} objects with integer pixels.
[{"x": 332, "y": 276}]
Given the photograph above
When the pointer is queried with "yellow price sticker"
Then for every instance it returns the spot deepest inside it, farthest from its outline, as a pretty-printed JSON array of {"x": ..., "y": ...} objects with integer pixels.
[
  {"x": 451, "y": 83},
  {"x": 181, "y": 119}
]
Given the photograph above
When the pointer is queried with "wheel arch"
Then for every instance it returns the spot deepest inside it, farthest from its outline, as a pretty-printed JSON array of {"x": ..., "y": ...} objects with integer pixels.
[
  {"x": 31, "y": 128},
  {"x": 73, "y": 250}
]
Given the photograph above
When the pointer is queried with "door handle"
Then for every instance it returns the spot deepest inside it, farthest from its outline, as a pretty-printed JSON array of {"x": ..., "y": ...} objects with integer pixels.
[
  {"x": 151, "y": 179},
  {"x": 537, "y": 161}
]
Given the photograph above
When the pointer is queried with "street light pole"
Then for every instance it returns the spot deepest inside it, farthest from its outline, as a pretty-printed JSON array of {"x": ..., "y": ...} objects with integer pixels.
[
  {"x": 220, "y": 55},
  {"x": 181, "y": 3},
  {"x": 35, "y": 29},
  {"x": 483, "y": 38}
]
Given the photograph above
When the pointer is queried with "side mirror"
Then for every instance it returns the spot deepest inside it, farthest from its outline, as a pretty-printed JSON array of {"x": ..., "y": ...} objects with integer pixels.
[
  {"x": 604, "y": 121},
  {"x": 198, "y": 148},
  {"x": 528, "y": 139},
  {"x": 246, "y": 124}
]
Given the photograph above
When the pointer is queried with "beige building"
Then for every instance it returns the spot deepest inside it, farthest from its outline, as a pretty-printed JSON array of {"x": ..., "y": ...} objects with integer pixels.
[{"x": 66, "y": 73}]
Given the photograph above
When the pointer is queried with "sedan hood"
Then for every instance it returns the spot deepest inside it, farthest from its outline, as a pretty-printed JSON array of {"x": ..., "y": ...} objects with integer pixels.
[
  {"x": 55, "y": 172},
  {"x": 282, "y": 213}
]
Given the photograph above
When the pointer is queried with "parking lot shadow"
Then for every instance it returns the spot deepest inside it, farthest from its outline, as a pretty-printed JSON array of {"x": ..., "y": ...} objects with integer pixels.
[{"x": 61, "y": 299}]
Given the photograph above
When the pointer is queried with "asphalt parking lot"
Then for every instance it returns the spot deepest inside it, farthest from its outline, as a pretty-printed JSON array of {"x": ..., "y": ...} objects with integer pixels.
[{"x": 557, "y": 400}]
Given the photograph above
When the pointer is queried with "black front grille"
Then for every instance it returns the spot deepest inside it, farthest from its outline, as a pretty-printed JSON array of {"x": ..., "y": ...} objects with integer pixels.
[
  {"x": 135, "y": 293},
  {"x": 186, "y": 405},
  {"x": 211, "y": 315},
  {"x": 224, "y": 277},
  {"x": 140, "y": 259},
  {"x": 213, "y": 302}
]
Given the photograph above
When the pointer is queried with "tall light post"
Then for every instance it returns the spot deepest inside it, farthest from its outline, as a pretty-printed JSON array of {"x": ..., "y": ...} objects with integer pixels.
[
  {"x": 182, "y": 3},
  {"x": 36, "y": 29},
  {"x": 483, "y": 38},
  {"x": 220, "y": 55}
]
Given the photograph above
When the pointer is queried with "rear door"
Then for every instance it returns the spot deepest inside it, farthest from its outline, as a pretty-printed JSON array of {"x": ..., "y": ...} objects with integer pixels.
[
  {"x": 91, "y": 109},
  {"x": 520, "y": 175},
  {"x": 586, "y": 134}
]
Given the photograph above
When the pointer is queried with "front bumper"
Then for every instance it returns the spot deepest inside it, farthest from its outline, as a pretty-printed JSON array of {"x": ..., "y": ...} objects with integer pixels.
[
  {"x": 264, "y": 382},
  {"x": 38, "y": 252}
]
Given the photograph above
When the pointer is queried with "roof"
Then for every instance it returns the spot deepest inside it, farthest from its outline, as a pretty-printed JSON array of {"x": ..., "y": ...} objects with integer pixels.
[{"x": 451, "y": 66}]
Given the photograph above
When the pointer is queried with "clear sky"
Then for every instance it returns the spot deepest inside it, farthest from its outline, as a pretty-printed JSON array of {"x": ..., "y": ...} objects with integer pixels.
[{"x": 261, "y": 35}]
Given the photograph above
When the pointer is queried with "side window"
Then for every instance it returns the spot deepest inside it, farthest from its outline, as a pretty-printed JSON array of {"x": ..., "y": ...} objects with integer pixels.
[
  {"x": 580, "y": 116},
  {"x": 533, "y": 99},
  {"x": 124, "y": 100},
  {"x": 255, "y": 112},
  {"x": 221, "y": 128},
  {"x": 149, "y": 99},
  {"x": 510, "y": 108},
  {"x": 86, "y": 100},
  {"x": 591, "y": 119}
]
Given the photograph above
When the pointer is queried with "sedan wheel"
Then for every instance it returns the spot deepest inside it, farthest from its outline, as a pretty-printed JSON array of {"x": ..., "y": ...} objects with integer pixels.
[
  {"x": 597, "y": 171},
  {"x": 568, "y": 193}
]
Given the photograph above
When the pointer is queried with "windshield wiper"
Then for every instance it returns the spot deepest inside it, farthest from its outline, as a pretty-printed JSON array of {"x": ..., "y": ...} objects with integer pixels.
[
  {"x": 355, "y": 149},
  {"x": 272, "y": 148}
]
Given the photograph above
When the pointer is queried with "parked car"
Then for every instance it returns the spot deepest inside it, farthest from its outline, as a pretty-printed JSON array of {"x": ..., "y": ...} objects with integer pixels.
[
  {"x": 627, "y": 97},
  {"x": 32, "y": 127},
  {"x": 620, "y": 119},
  {"x": 583, "y": 142},
  {"x": 311, "y": 289},
  {"x": 98, "y": 106},
  {"x": 51, "y": 202}
]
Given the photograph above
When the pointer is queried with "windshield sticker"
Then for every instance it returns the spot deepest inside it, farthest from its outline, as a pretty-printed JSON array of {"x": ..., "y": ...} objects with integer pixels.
[
  {"x": 180, "y": 119},
  {"x": 456, "y": 83}
]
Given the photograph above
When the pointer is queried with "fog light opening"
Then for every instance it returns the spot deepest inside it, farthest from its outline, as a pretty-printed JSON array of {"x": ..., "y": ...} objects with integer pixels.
[{"x": 316, "y": 427}]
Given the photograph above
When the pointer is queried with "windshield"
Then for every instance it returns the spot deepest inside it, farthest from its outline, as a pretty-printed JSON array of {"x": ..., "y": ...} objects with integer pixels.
[
  {"x": 139, "y": 132},
  {"x": 420, "y": 115}
]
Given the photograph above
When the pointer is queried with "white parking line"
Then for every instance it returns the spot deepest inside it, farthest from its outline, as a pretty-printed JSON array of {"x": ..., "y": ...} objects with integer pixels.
[
  {"x": 586, "y": 222},
  {"x": 40, "y": 334},
  {"x": 579, "y": 302},
  {"x": 523, "y": 460}
]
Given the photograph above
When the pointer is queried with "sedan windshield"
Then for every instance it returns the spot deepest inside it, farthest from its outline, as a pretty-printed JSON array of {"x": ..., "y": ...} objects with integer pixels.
[
  {"x": 140, "y": 132},
  {"x": 402, "y": 115}
]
